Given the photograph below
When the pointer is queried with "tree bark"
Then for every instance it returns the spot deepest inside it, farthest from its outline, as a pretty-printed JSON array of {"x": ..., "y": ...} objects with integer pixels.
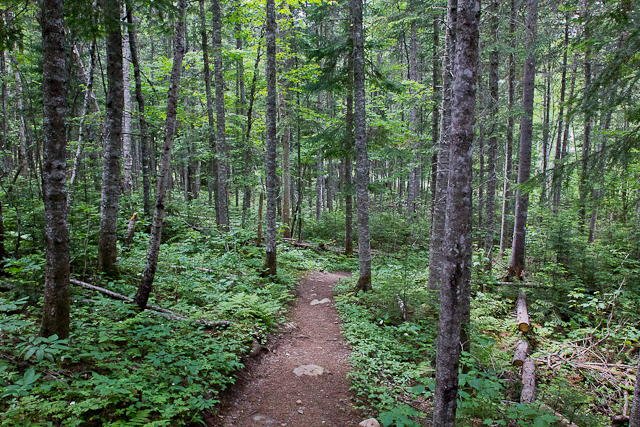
[
  {"x": 526, "y": 135},
  {"x": 435, "y": 114},
  {"x": 505, "y": 228},
  {"x": 521, "y": 353},
  {"x": 528, "y": 381},
  {"x": 522, "y": 313},
  {"x": 127, "y": 184},
  {"x": 319, "y": 191},
  {"x": 4, "y": 126},
  {"x": 557, "y": 167},
  {"x": 347, "y": 181},
  {"x": 436, "y": 256},
  {"x": 213, "y": 184},
  {"x": 271, "y": 243},
  {"x": 455, "y": 287},
  {"x": 412, "y": 191},
  {"x": 85, "y": 109},
  {"x": 144, "y": 128},
  {"x": 146, "y": 284},
  {"x": 55, "y": 319},
  {"x": 634, "y": 418},
  {"x": 221, "y": 144},
  {"x": 492, "y": 149},
  {"x": 362, "y": 160},
  {"x": 586, "y": 133},
  {"x": 107, "y": 240}
]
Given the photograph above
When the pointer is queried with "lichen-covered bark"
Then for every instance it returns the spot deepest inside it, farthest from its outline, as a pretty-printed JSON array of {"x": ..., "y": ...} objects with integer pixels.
[
  {"x": 412, "y": 191},
  {"x": 348, "y": 171},
  {"x": 526, "y": 135},
  {"x": 360, "y": 142},
  {"x": 454, "y": 291},
  {"x": 164, "y": 173},
  {"x": 436, "y": 257},
  {"x": 55, "y": 319},
  {"x": 221, "y": 142},
  {"x": 634, "y": 418},
  {"x": 107, "y": 240},
  {"x": 126, "y": 113},
  {"x": 435, "y": 114},
  {"x": 272, "y": 191}
]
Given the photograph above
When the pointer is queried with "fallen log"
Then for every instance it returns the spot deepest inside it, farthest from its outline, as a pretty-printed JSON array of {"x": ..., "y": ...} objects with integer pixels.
[
  {"x": 521, "y": 353},
  {"x": 528, "y": 381},
  {"x": 167, "y": 313},
  {"x": 522, "y": 313}
]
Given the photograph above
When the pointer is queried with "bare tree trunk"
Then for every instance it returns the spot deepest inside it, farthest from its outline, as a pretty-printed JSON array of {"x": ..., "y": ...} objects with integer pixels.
[
  {"x": 286, "y": 172},
  {"x": 127, "y": 184},
  {"x": 330, "y": 185},
  {"x": 362, "y": 160},
  {"x": 455, "y": 288},
  {"x": 5, "y": 162},
  {"x": 146, "y": 284},
  {"x": 271, "y": 243},
  {"x": 144, "y": 128},
  {"x": 221, "y": 144},
  {"x": 260, "y": 203},
  {"x": 22, "y": 131},
  {"x": 412, "y": 191},
  {"x": 493, "y": 137},
  {"x": 545, "y": 132},
  {"x": 526, "y": 135},
  {"x": 586, "y": 134},
  {"x": 557, "y": 167},
  {"x": 505, "y": 228},
  {"x": 246, "y": 201},
  {"x": 55, "y": 319},
  {"x": 435, "y": 115},
  {"x": 319, "y": 180},
  {"x": 634, "y": 418},
  {"x": 347, "y": 181},
  {"x": 213, "y": 181},
  {"x": 85, "y": 108},
  {"x": 107, "y": 241},
  {"x": 436, "y": 256}
]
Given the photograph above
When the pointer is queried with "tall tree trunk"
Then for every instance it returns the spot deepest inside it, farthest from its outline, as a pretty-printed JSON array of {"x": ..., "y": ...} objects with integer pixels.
[
  {"x": 435, "y": 114},
  {"x": 246, "y": 201},
  {"x": 455, "y": 289},
  {"x": 22, "y": 130},
  {"x": 492, "y": 149},
  {"x": 85, "y": 109},
  {"x": 330, "y": 185},
  {"x": 286, "y": 164},
  {"x": 144, "y": 128},
  {"x": 545, "y": 132},
  {"x": 586, "y": 134},
  {"x": 4, "y": 126},
  {"x": 55, "y": 319},
  {"x": 436, "y": 256},
  {"x": 319, "y": 180},
  {"x": 362, "y": 160},
  {"x": 347, "y": 181},
  {"x": 107, "y": 240},
  {"x": 526, "y": 135},
  {"x": 272, "y": 191},
  {"x": 634, "y": 418},
  {"x": 557, "y": 167},
  {"x": 412, "y": 191},
  {"x": 221, "y": 144},
  {"x": 144, "y": 290},
  {"x": 505, "y": 227},
  {"x": 213, "y": 169},
  {"x": 127, "y": 184}
]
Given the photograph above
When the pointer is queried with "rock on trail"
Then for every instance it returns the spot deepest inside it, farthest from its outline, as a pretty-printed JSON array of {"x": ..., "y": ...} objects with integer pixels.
[{"x": 302, "y": 381}]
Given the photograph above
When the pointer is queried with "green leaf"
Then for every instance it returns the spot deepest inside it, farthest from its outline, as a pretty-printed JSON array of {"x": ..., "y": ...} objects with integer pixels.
[
  {"x": 418, "y": 389},
  {"x": 40, "y": 354}
]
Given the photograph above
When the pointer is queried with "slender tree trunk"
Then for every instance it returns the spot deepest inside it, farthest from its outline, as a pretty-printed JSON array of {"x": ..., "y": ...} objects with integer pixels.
[
  {"x": 505, "y": 228},
  {"x": 557, "y": 167},
  {"x": 22, "y": 131},
  {"x": 362, "y": 160},
  {"x": 221, "y": 144},
  {"x": 144, "y": 290},
  {"x": 586, "y": 134},
  {"x": 455, "y": 289},
  {"x": 330, "y": 185},
  {"x": 492, "y": 149},
  {"x": 55, "y": 319},
  {"x": 126, "y": 113},
  {"x": 545, "y": 132},
  {"x": 271, "y": 244},
  {"x": 246, "y": 201},
  {"x": 319, "y": 180},
  {"x": 111, "y": 168},
  {"x": 347, "y": 181},
  {"x": 259, "y": 233},
  {"x": 634, "y": 418},
  {"x": 436, "y": 256},
  {"x": 85, "y": 109},
  {"x": 412, "y": 191},
  {"x": 144, "y": 128},
  {"x": 526, "y": 135},
  {"x": 435, "y": 114}
]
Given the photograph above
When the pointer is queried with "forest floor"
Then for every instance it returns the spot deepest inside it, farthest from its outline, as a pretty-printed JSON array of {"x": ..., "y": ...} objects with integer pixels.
[{"x": 269, "y": 393}]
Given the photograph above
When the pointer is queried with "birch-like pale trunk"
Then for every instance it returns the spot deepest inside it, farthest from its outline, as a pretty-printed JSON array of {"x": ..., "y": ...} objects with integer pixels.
[
  {"x": 436, "y": 257},
  {"x": 164, "y": 173},
  {"x": 111, "y": 163},
  {"x": 55, "y": 319},
  {"x": 526, "y": 136},
  {"x": 455, "y": 287}
]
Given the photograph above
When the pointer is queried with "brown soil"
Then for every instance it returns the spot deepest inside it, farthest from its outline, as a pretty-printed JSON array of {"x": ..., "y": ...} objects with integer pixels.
[{"x": 269, "y": 393}]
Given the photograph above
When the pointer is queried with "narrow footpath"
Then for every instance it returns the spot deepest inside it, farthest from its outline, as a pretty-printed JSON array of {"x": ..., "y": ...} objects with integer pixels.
[{"x": 301, "y": 381}]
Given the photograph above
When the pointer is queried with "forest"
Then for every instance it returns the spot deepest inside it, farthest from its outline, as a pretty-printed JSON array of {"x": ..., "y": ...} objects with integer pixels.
[{"x": 174, "y": 176}]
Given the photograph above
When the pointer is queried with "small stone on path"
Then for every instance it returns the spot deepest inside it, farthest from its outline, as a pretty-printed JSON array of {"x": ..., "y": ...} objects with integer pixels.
[
  {"x": 324, "y": 301},
  {"x": 311, "y": 370},
  {"x": 371, "y": 422}
]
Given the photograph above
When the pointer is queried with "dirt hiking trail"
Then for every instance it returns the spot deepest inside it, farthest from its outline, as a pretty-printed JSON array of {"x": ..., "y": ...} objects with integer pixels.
[{"x": 270, "y": 393}]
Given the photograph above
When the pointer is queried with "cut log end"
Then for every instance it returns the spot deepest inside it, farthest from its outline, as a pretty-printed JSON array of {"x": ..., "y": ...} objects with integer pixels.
[
  {"x": 520, "y": 355},
  {"x": 521, "y": 312}
]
